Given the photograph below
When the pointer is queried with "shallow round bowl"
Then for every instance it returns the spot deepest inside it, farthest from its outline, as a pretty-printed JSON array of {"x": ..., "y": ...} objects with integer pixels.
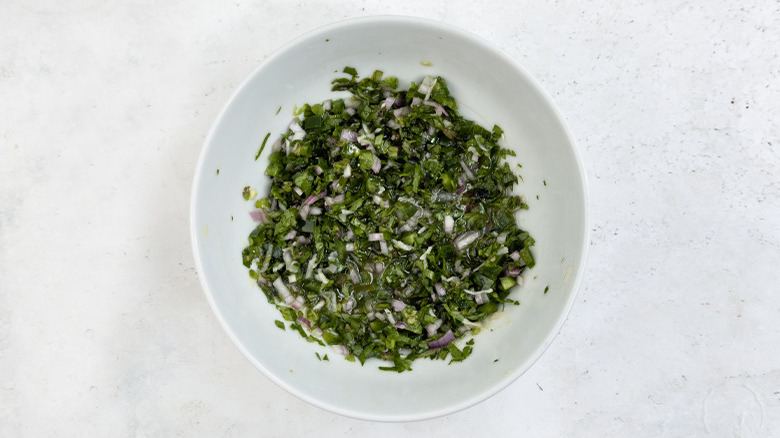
[{"x": 491, "y": 88}]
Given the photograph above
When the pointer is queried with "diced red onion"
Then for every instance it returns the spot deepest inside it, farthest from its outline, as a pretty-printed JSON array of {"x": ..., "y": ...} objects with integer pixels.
[
  {"x": 303, "y": 240},
  {"x": 297, "y": 303},
  {"x": 388, "y": 103},
  {"x": 348, "y": 135},
  {"x": 377, "y": 166},
  {"x": 513, "y": 272},
  {"x": 318, "y": 170},
  {"x": 347, "y": 171},
  {"x": 298, "y": 191},
  {"x": 515, "y": 256},
  {"x": 398, "y": 305},
  {"x": 349, "y": 305},
  {"x": 315, "y": 211},
  {"x": 257, "y": 216},
  {"x": 466, "y": 239},
  {"x": 442, "y": 341},
  {"x": 304, "y": 212},
  {"x": 438, "y": 109},
  {"x": 376, "y": 237},
  {"x": 399, "y": 101},
  {"x": 400, "y": 112},
  {"x": 314, "y": 198},
  {"x": 426, "y": 86},
  {"x": 282, "y": 289},
  {"x": 501, "y": 251},
  {"x": 261, "y": 281},
  {"x": 349, "y": 247},
  {"x": 392, "y": 124},
  {"x": 350, "y": 234},
  {"x": 481, "y": 298},
  {"x": 318, "y": 306},
  {"x": 400, "y": 325},
  {"x": 290, "y": 235},
  {"x": 341, "y": 349},
  {"x": 327, "y": 105},
  {"x": 440, "y": 289},
  {"x": 431, "y": 328},
  {"x": 383, "y": 247},
  {"x": 316, "y": 331},
  {"x": 501, "y": 239},
  {"x": 449, "y": 224},
  {"x": 416, "y": 101},
  {"x": 305, "y": 322},
  {"x": 379, "y": 267},
  {"x": 350, "y": 111},
  {"x": 460, "y": 189}
]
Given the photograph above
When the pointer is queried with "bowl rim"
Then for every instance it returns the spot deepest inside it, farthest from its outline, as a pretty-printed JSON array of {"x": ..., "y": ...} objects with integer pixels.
[{"x": 316, "y": 33}]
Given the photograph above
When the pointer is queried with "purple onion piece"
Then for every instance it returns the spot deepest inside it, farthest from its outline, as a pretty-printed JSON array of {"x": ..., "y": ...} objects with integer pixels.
[
  {"x": 314, "y": 198},
  {"x": 398, "y": 305},
  {"x": 257, "y": 216},
  {"x": 442, "y": 341},
  {"x": 513, "y": 272},
  {"x": 348, "y": 135},
  {"x": 388, "y": 103},
  {"x": 304, "y": 212},
  {"x": 305, "y": 322}
]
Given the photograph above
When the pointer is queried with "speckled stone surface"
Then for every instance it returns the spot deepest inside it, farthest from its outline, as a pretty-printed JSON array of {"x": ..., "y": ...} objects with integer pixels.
[{"x": 104, "y": 329}]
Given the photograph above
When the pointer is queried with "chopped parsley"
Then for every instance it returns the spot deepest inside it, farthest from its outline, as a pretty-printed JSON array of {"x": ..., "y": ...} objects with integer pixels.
[{"x": 389, "y": 227}]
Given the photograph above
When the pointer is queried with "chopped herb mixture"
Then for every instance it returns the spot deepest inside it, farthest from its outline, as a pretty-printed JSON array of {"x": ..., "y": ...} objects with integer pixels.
[{"x": 389, "y": 230}]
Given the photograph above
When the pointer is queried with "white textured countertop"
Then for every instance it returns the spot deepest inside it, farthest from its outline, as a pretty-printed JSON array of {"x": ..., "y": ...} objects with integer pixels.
[{"x": 104, "y": 328}]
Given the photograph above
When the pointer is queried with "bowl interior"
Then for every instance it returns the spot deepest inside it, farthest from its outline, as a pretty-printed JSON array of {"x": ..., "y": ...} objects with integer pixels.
[{"x": 491, "y": 89}]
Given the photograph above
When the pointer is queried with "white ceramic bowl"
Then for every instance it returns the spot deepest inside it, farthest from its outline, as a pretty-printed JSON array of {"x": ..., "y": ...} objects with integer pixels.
[{"x": 491, "y": 89}]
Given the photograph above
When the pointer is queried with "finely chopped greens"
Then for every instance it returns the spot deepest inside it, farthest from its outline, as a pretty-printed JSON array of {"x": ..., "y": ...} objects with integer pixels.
[{"x": 389, "y": 230}]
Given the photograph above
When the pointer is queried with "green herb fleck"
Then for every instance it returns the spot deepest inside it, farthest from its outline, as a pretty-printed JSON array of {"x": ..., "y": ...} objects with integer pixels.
[
  {"x": 279, "y": 324},
  {"x": 262, "y": 146}
]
